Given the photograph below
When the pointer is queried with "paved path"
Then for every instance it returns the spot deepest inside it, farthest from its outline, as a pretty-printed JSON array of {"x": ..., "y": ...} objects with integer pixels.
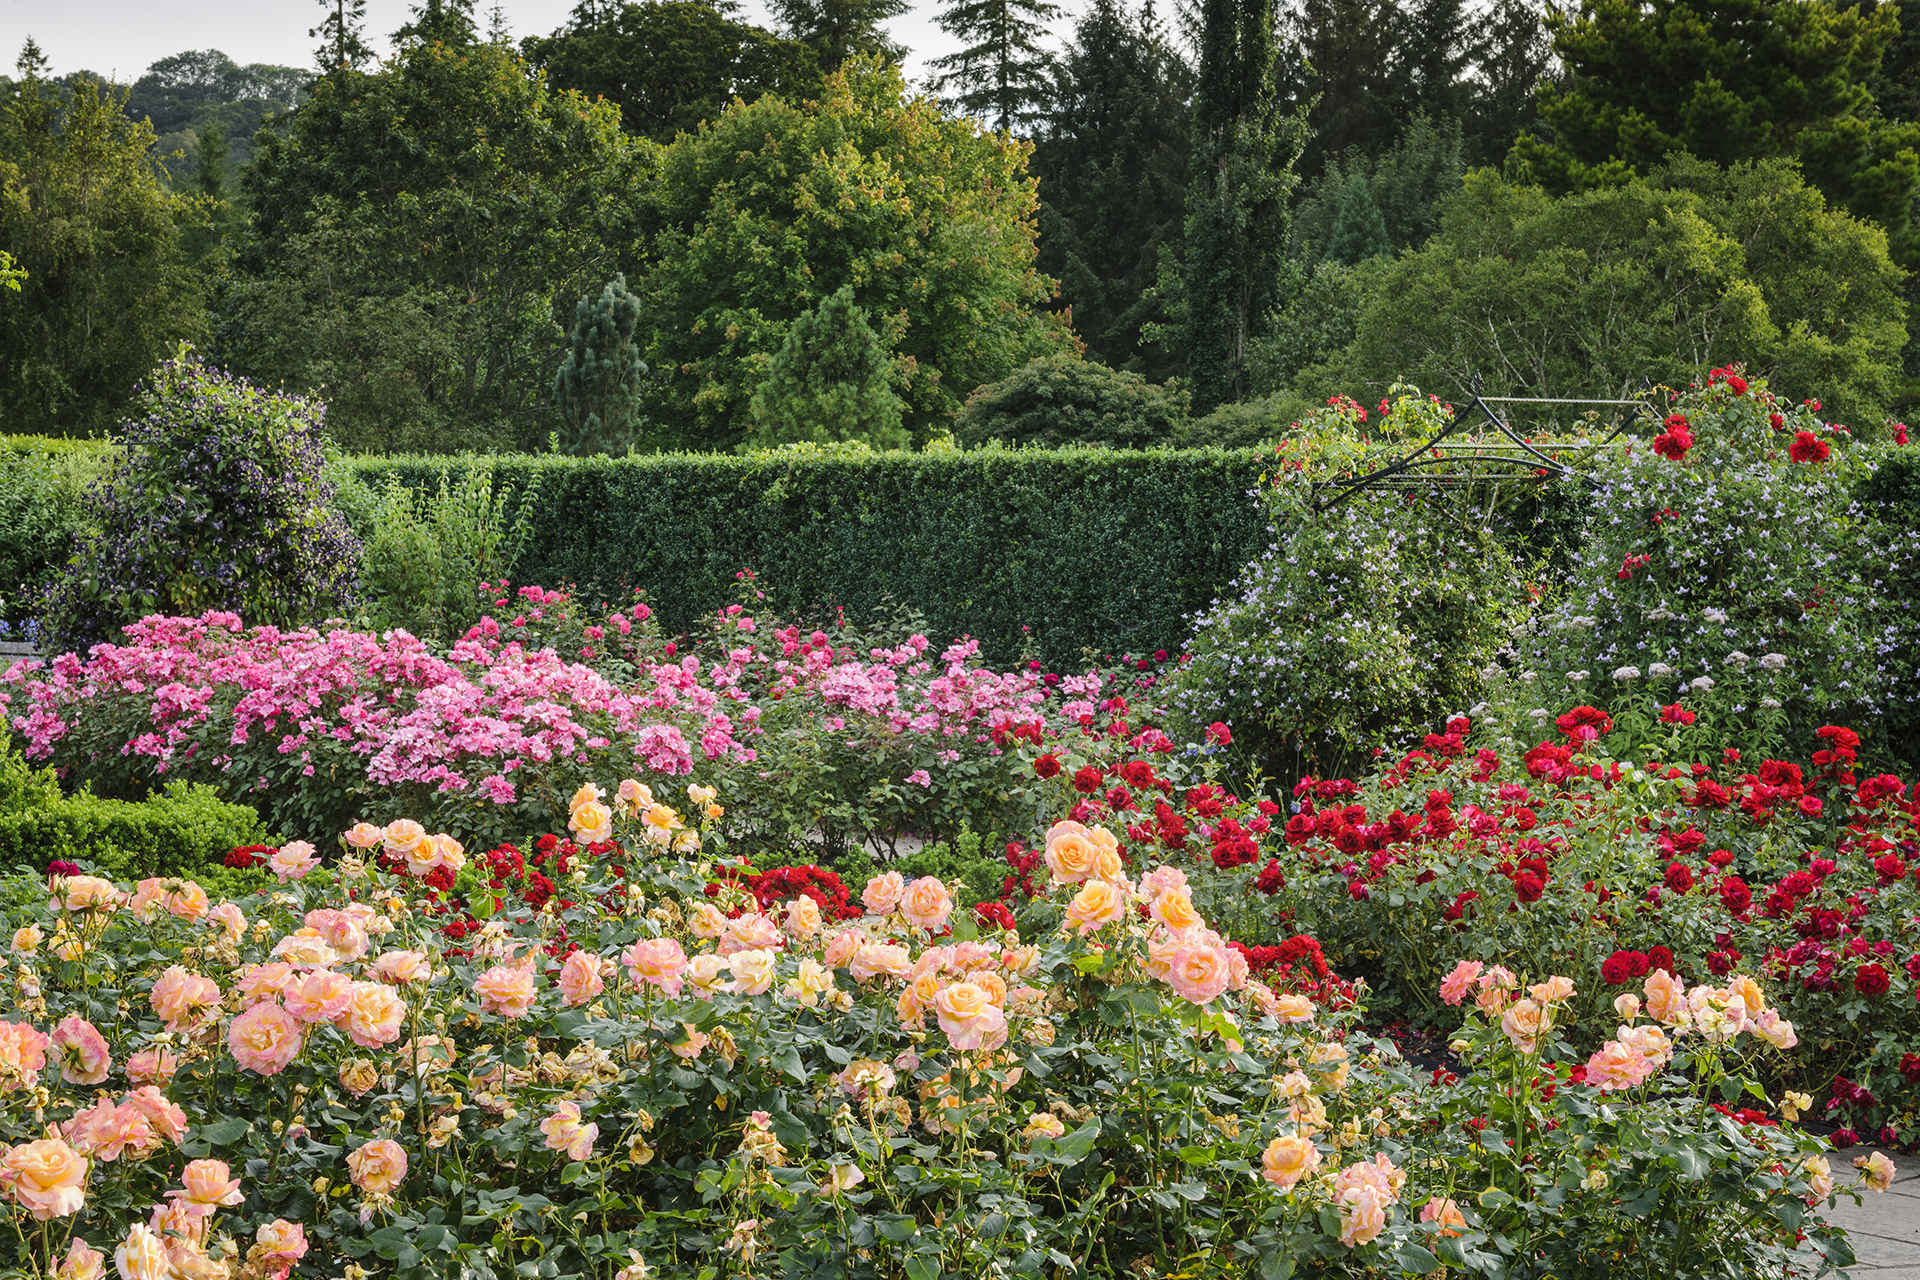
[{"x": 1885, "y": 1229}]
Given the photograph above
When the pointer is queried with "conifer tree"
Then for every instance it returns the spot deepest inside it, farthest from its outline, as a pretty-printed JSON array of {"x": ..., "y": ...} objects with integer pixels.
[
  {"x": 342, "y": 35},
  {"x": 1245, "y": 146},
  {"x": 1001, "y": 73},
  {"x": 597, "y": 389},
  {"x": 832, "y": 380},
  {"x": 1359, "y": 228},
  {"x": 837, "y": 30}
]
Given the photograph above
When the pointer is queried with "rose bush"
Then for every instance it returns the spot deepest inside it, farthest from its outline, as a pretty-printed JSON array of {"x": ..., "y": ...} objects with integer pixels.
[{"x": 638, "y": 1076}]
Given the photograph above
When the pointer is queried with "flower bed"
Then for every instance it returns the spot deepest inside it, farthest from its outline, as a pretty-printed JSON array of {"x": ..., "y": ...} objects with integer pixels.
[{"x": 633, "y": 1064}]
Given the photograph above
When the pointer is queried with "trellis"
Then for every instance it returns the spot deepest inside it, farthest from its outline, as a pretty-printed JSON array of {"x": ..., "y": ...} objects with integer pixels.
[{"x": 1447, "y": 463}]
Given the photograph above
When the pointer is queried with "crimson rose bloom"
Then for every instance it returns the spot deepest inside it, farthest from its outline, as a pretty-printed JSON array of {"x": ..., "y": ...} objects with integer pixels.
[
  {"x": 1660, "y": 958},
  {"x": 1871, "y": 980},
  {"x": 1047, "y": 766},
  {"x": 1088, "y": 780},
  {"x": 1679, "y": 877},
  {"x": 1807, "y": 447},
  {"x": 1676, "y": 714},
  {"x": 1623, "y": 967}
]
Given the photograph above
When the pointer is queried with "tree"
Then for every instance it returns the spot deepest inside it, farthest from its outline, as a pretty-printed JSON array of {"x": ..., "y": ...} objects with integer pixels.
[
  {"x": 597, "y": 388},
  {"x": 1734, "y": 81},
  {"x": 777, "y": 205},
  {"x": 1063, "y": 399},
  {"x": 1512, "y": 57},
  {"x": 840, "y": 30},
  {"x": 1694, "y": 266},
  {"x": 184, "y": 93},
  {"x": 1359, "y": 230},
  {"x": 831, "y": 381},
  {"x": 1111, "y": 158},
  {"x": 107, "y": 290},
  {"x": 670, "y": 64},
  {"x": 342, "y": 36},
  {"x": 1001, "y": 73},
  {"x": 1342, "y": 69},
  {"x": 458, "y": 204},
  {"x": 1405, "y": 184},
  {"x": 1244, "y": 149},
  {"x": 448, "y": 22}
]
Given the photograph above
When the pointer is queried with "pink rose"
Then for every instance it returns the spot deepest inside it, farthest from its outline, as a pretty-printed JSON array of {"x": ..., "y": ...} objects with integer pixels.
[
  {"x": 278, "y": 1245},
  {"x": 81, "y": 1051},
  {"x": 580, "y": 979},
  {"x": 883, "y": 893},
  {"x": 969, "y": 1017},
  {"x": 1458, "y": 984},
  {"x": 293, "y": 860},
  {"x": 506, "y": 991},
  {"x": 927, "y": 904},
  {"x": 402, "y": 967},
  {"x": 373, "y": 1014},
  {"x": 1199, "y": 974},
  {"x": 83, "y": 1262},
  {"x": 1363, "y": 1215},
  {"x": 265, "y": 1038},
  {"x": 152, "y": 1066},
  {"x": 182, "y": 997},
  {"x": 167, "y": 1120},
  {"x": 319, "y": 997},
  {"x": 47, "y": 1178},
  {"x": 378, "y": 1166},
  {"x": 143, "y": 1255},
  {"x": 206, "y": 1188},
  {"x": 23, "y": 1054},
  {"x": 658, "y": 962},
  {"x": 565, "y": 1132}
]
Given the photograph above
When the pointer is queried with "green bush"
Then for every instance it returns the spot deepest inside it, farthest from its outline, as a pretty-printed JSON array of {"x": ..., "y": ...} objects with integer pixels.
[
  {"x": 1056, "y": 551},
  {"x": 1063, "y": 399},
  {"x": 41, "y": 512}
]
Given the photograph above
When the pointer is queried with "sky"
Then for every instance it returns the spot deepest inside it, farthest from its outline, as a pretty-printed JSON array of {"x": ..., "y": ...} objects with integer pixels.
[{"x": 121, "y": 38}]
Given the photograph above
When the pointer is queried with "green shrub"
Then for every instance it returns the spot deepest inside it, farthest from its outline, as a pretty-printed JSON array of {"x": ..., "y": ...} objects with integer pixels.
[
  {"x": 1063, "y": 399},
  {"x": 186, "y": 830},
  {"x": 1092, "y": 549}
]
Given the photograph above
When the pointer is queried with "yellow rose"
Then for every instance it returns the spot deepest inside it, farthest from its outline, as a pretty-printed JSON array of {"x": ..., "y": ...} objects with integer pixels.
[{"x": 1288, "y": 1159}]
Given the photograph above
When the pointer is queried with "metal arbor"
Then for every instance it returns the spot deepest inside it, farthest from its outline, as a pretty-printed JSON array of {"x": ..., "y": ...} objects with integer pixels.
[{"x": 1445, "y": 462}]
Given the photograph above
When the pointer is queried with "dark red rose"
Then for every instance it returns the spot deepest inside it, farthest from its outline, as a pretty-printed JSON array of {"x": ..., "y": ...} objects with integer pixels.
[
  {"x": 1088, "y": 780},
  {"x": 1807, "y": 447},
  {"x": 1871, "y": 980},
  {"x": 1679, "y": 877},
  {"x": 1047, "y": 766},
  {"x": 1660, "y": 958}
]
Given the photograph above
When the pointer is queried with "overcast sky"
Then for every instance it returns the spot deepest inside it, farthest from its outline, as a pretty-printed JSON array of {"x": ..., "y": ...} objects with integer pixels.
[{"x": 122, "y": 38}]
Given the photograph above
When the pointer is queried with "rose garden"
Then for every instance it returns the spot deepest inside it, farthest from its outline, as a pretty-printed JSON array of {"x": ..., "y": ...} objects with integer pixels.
[{"x": 1523, "y": 889}]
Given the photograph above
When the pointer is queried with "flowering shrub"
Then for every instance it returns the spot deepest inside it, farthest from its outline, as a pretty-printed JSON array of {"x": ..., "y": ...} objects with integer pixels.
[
  {"x": 629, "y": 1079},
  {"x": 1479, "y": 847},
  {"x": 215, "y": 502},
  {"x": 1730, "y": 568}
]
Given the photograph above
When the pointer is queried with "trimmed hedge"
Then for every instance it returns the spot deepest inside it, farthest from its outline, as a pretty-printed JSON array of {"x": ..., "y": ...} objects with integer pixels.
[{"x": 1093, "y": 549}]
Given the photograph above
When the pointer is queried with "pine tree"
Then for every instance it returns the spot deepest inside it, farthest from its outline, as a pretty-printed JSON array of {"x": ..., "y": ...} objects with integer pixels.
[
  {"x": 1112, "y": 164},
  {"x": 1342, "y": 67},
  {"x": 1245, "y": 146},
  {"x": 1359, "y": 229},
  {"x": 837, "y": 30},
  {"x": 342, "y": 35},
  {"x": 447, "y": 22},
  {"x": 1001, "y": 74},
  {"x": 832, "y": 380},
  {"x": 597, "y": 389},
  {"x": 1512, "y": 59}
]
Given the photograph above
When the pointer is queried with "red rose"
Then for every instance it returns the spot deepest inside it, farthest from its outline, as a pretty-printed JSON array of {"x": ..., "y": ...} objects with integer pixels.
[
  {"x": 1660, "y": 958},
  {"x": 1623, "y": 967},
  {"x": 1218, "y": 732},
  {"x": 1087, "y": 780},
  {"x": 1679, "y": 877},
  {"x": 1528, "y": 887},
  {"x": 1738, "y": 383},
  {"x": 1676, "y": 714},
  {"x": 1910, "y": 1067},
  {"x": 1735, "y": 896},
  {"x": 1673, "y": 444},
  {"x": 1871, "y": 980},
  {"x": 1810, "y": 805},
  {"x": 1047, "y": 766},
  {"x": 1807, "y": 447}
]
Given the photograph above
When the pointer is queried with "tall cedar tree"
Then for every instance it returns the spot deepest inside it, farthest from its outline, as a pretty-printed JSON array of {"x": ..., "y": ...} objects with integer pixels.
[
  {"x": 1245, "y": 146},
  {"x": 1001, "y": 74},
  {"x": 1729, "y": 81},
  {"x": 1112, "y": 164},
  {"x": 837, "y": 30},
  {"x": 670, "y": 64}
]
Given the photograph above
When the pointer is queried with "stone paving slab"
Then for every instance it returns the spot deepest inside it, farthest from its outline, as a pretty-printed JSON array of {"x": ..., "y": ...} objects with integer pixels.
[{"x": 1884, "y": 1228}]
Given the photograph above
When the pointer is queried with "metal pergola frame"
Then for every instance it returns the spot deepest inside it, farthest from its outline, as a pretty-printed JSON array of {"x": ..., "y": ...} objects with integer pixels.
[{"x": 1524, "y": 461}]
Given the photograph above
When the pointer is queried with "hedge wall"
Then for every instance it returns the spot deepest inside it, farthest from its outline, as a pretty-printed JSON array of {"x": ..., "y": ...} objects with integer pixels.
[{"x": 1092, "y": 548}]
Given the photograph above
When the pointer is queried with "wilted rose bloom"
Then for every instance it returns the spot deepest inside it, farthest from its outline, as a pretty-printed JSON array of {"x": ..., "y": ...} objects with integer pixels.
[
  {"x": 142, "y": 1255},
  {"x": 753, "y": 971},
  {"x": 230, "y": 920},
  {"x": 265, "y": 1038},
  {"x": 565, "y": 1132},
  {"x": 927, "y": 903},
  {"x": 864, "y": 1077},
  {"x": 152, "y": 1066},
  {"x": 1876, "y": 1170},
  {"x": 633, "y": 796},
  {"x": 1288, "y": 1159},
  {"x": 580, "y": 979},
  {"x": 278, "y": 1245},
  {"x": 47, "y": 1178},
  {"x": 841, "y": 1177},
  {"x": 378, "y": 1166},
  {"x": 81, "y": 1051},
  {"x": 83, "y": 1262},
  {"x": 968, "y": 1017},
  {"x": 1820, "y": 1175},
  {"x": 506, "y": 990},
  {"x": 1098, "y": 904},
  {"x": 358, "y": 1076},
  {"x": 1043, "y": 1124},
  {"x": 1775, "y": 1030},
  {"x": 658, "y": 962}
]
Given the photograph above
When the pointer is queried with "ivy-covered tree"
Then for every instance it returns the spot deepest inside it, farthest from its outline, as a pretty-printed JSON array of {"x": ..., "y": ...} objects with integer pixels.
[
  {"x": 670, "y": 64},
  {"x": 1731, "y": 81},
  {"x": 1000, "y": 72},
  {"x": 1112, "y": 163},
  {"x": 777, "y": 205},
  {"x": 831, "y": 381},
  {"x": 598, "y": 386},
  {"x": 1245, "y": 144}
]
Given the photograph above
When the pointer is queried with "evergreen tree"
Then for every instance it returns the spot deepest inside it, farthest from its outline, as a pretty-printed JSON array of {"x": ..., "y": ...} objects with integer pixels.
[
  {"x": 1405, "y": 185},
  {"x": 1112, "y": 163},
  {"x": 837, "y": 30},
  {"x": 597, "y": 389},
  {"x": 832, "y": 380},
  {"x": 1512, "y": 58},
  {"x": 447, "y": 22},
  {"x": 1244, "y": 148},
  {"x": 1341, "y": 67},
  {"x": 1436, "y": 51},
  {"x": 1359, "y": 230},
  {"x": 209, "y": 183},
  {"x": 1001, "y": 73},
  {"x": 342, "y": 35}
]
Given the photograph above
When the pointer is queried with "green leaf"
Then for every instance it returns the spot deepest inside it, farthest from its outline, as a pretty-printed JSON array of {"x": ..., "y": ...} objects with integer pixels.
[
  {"x": 1416, "y": 1258},
  {"x": 919, "y": 1268},
  {"x": 224, "y": 1131},
  {"x": 896, "y": 1227}
]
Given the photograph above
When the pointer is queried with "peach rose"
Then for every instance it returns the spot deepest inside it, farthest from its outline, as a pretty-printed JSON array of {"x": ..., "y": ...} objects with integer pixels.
[
  {"x": 406, "y": 838},
  {"x": 803, "y": 917},
  {"x": 181, "y": 997},
  {"x": 83, "y": 1262},
  {"x": 152, "y": 1066},
  {"x": 707, "y": 921},
  {"x": 1098, "y": 904},
  {"x": 753, "y": 971},
  {"x": 167, "y": 1120},
  {"x": 704, "y": 973},
  {"x": 1615, "y": 1066},
  {"x": 586, "y": 795},
  {"x": 292, "y": 861},
  {"x": 319, "y": 997},
  {"x": 1070, "y": 852},
  {"x": 266, "y": 981},
  {"x": 358, "y": 1076},
  {"x": 206, "y": 1188},
  {"x": 841, "y": 948},
  {"x": 1748, "y": 992},
  {"x": 751, "y": 931},
  {"x": 87, "y": 893},
  {"x": 1627, "y": 1005},
  {"x": 880, "y": 960},
  {"x": 1292, "y": 1007},
  {"x": 883, "y": 893},
  {"x": 633, "y": 796},
  {"x": 365, "y": 835},
  {"x": 1287, "y": 1160},
  {"x": 1875, "y": 1170},
  {"x": 278, "y": 1245},
  {"x": 1775, "y": 1030},
  {"x": 1107, "y": 865},
  {"x": 402, "y": 967},
  {"x": 1174, "y": 909},
  {"x": 969, "y": 1018},
  {"x": 230, "y": 920},
  {"x": 373, "y": 1014},
  {"x": 1666, "y": 998},
  {"x": 1363, "y": 1215},
  {"x": 1552, "y": 991},
  {"x": 1445, "y": 1215},
  {"x": 927, "y": 904},
  {"x": 591, "y": 823},
  {"x": 377, "y": 1167},
  {"x": 81, "y": 1051},
  {"x": 1649, "y": 1041},
  {"x": 565, "y": 1132},
  {"x": 142, "y": 1255},
  {"x": 656, "y": 962},
  {"x": 1524, "y": 1024},
  {"x": 506, "y": 990},
  {"x": 27, "y": 939},
  {"x": 580, "y": 979},
  {"x": 1820, "y": 1175},
  {"x": 1459, "y": 982},
  {"x": 1162, "y": 879},
  {"x": 265, "y": 1038},
  {"x": 47, "y": 1178},
  {"x": 23, "y": 1054},
  {"x": 1199, "y": 974}
]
